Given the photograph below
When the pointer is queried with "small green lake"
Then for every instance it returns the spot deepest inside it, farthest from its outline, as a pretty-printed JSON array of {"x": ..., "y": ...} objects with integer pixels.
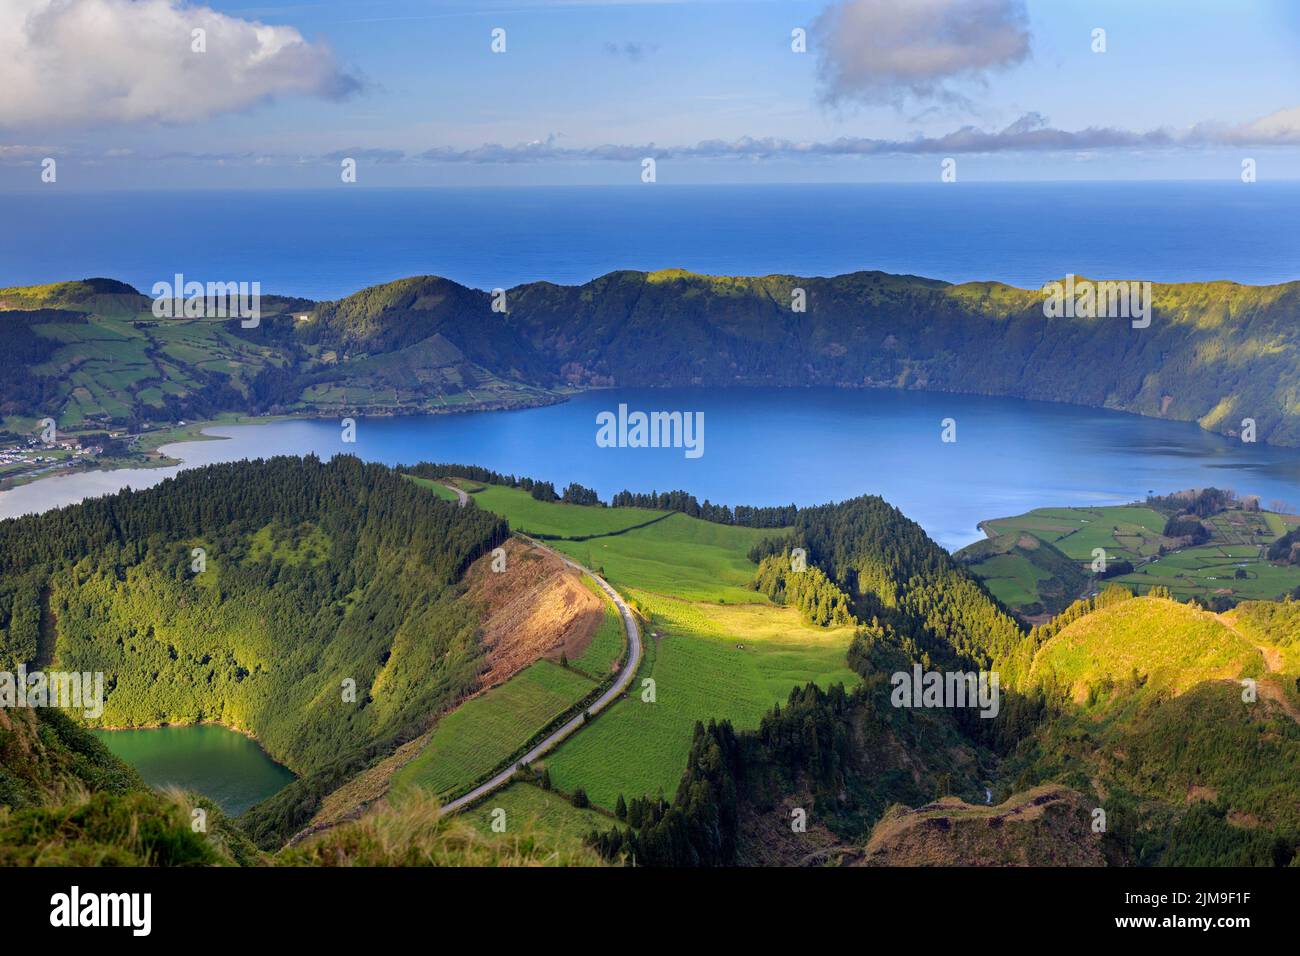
[{"x": 224, "y": 766}]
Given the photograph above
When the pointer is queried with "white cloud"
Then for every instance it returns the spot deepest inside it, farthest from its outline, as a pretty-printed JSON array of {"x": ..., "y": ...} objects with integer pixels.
[
  {"x": 1281, "y": 128},
  {"x": 23, "y": 155},
  {"x": 887, "y": 50},
  {"x": 1031, "y": 133},
  {"x": 65, "y": 62}
]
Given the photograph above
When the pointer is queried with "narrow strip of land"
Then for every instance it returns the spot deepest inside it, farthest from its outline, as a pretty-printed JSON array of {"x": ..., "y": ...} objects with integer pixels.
[
  {"x": 461, "y": 495},
  {"x": 615, "y": 691}
]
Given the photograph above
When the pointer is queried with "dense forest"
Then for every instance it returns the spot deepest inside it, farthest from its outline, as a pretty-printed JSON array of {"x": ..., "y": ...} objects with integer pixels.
[
  {"x": 1286, "y": 549},
  {"x": 312, "y": 604},
  {"x": 1186, "y": 527},
  {"x": 896, "y": 575},
  {"x": 1201, "y": 502},
  {"x": 411, "y": 341},
  {"x": 816, "y": 596}
]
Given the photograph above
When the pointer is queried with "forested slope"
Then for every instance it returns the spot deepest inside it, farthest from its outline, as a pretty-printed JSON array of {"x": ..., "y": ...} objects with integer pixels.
[
  {"x": 893, "y": 573},
  {"x": 1133, "y": 707},
  {"x": 1214, "y": 352},
  {"x": 322, "y": 614}
]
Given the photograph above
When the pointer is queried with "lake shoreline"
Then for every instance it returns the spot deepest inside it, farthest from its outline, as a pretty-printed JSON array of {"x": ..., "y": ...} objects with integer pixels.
[
  {"x": 777, "y": 446},
  {"x": 199, "y": 431},
  {"x": 225, "y": 764}
]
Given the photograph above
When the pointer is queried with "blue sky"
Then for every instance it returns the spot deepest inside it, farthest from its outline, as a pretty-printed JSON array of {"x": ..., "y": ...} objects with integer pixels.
[{"x": 412, "y": 90}]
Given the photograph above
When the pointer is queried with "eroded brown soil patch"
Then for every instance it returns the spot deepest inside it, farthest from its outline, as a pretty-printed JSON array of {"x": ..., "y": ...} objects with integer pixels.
[{"x": 537, "y": 607}]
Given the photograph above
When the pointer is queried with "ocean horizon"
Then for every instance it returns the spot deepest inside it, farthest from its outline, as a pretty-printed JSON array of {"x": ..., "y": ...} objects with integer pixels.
[{"x": 328, "y": 243}]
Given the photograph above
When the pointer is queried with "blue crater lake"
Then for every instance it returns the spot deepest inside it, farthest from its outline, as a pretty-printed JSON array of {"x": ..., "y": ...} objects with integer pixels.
[
  {"x": 781, "y": 446},
  {"x": 224, "y": 766}
]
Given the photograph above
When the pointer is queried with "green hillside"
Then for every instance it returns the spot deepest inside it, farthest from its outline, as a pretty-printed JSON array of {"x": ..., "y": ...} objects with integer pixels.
[
  {"x": 92, "y": 355},
  {"x": 1151, "y": 643},
  {"x": 1026, "y": 573},
  {"x": 1041, "y": 560},
  {"x": 325, "y": 620},
  {"x": 715, "y": 647},
  {"x": 1181, "y": 724},
  {"x": 1214, "y": 353},
  {"x": 66, "y": 801}
]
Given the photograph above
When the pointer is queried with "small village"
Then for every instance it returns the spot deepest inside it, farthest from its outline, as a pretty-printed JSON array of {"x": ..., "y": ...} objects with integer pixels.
[{"x": 23, "y": 458}]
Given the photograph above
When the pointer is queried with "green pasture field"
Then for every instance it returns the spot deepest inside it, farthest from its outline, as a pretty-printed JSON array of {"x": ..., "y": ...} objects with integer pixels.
[
  {"x": 1132, "y": 532},
  {"x": 707, "y": 661},
  {"x": 482, "y": 733},
  {"x": 1013, "y": 580},
  {"x": 679, "y": 556},
  {"x": 1209, "y": 571},
  {"x": 715, "y": 647},
  {"x": 609, "y": 644},
  {"x": 1129, "y": 532},
  {"x": 525, "y": 513}
]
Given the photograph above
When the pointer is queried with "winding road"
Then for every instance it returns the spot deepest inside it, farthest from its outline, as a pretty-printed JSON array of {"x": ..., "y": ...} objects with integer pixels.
[{"x": 561, "y": 734}]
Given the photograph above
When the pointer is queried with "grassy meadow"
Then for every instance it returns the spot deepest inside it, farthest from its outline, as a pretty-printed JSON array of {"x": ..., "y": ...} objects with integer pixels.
[
  {"x": 608, "y": 645},
  {"x": 715, "y": 648},
  {"x": 707, "y": 661},
  {"x": 482, "y": 733},
  {"x": 1012, "y": 579},
  {"x": 680, "y": 556},
  {"x": 558, "y": 519},
  {"x": 1232, "y": 563},
  {"x": 1130, "y": 532}
]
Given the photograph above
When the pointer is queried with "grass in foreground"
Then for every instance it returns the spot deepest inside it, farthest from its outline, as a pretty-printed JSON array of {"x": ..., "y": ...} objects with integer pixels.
[
  {"x": 412, "y": 833},
  {"x": 528, "y": 807},
  {"x": 141, "y": 828}
]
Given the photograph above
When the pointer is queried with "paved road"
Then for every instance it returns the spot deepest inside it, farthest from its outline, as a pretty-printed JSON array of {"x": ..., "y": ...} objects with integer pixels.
[
  {"x": 620, "y": 684},
  {"x": 461, "y": 496}
]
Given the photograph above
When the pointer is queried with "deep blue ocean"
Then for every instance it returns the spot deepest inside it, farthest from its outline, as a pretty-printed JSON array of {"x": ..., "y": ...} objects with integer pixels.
[{"x": 328, "y": 243}]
